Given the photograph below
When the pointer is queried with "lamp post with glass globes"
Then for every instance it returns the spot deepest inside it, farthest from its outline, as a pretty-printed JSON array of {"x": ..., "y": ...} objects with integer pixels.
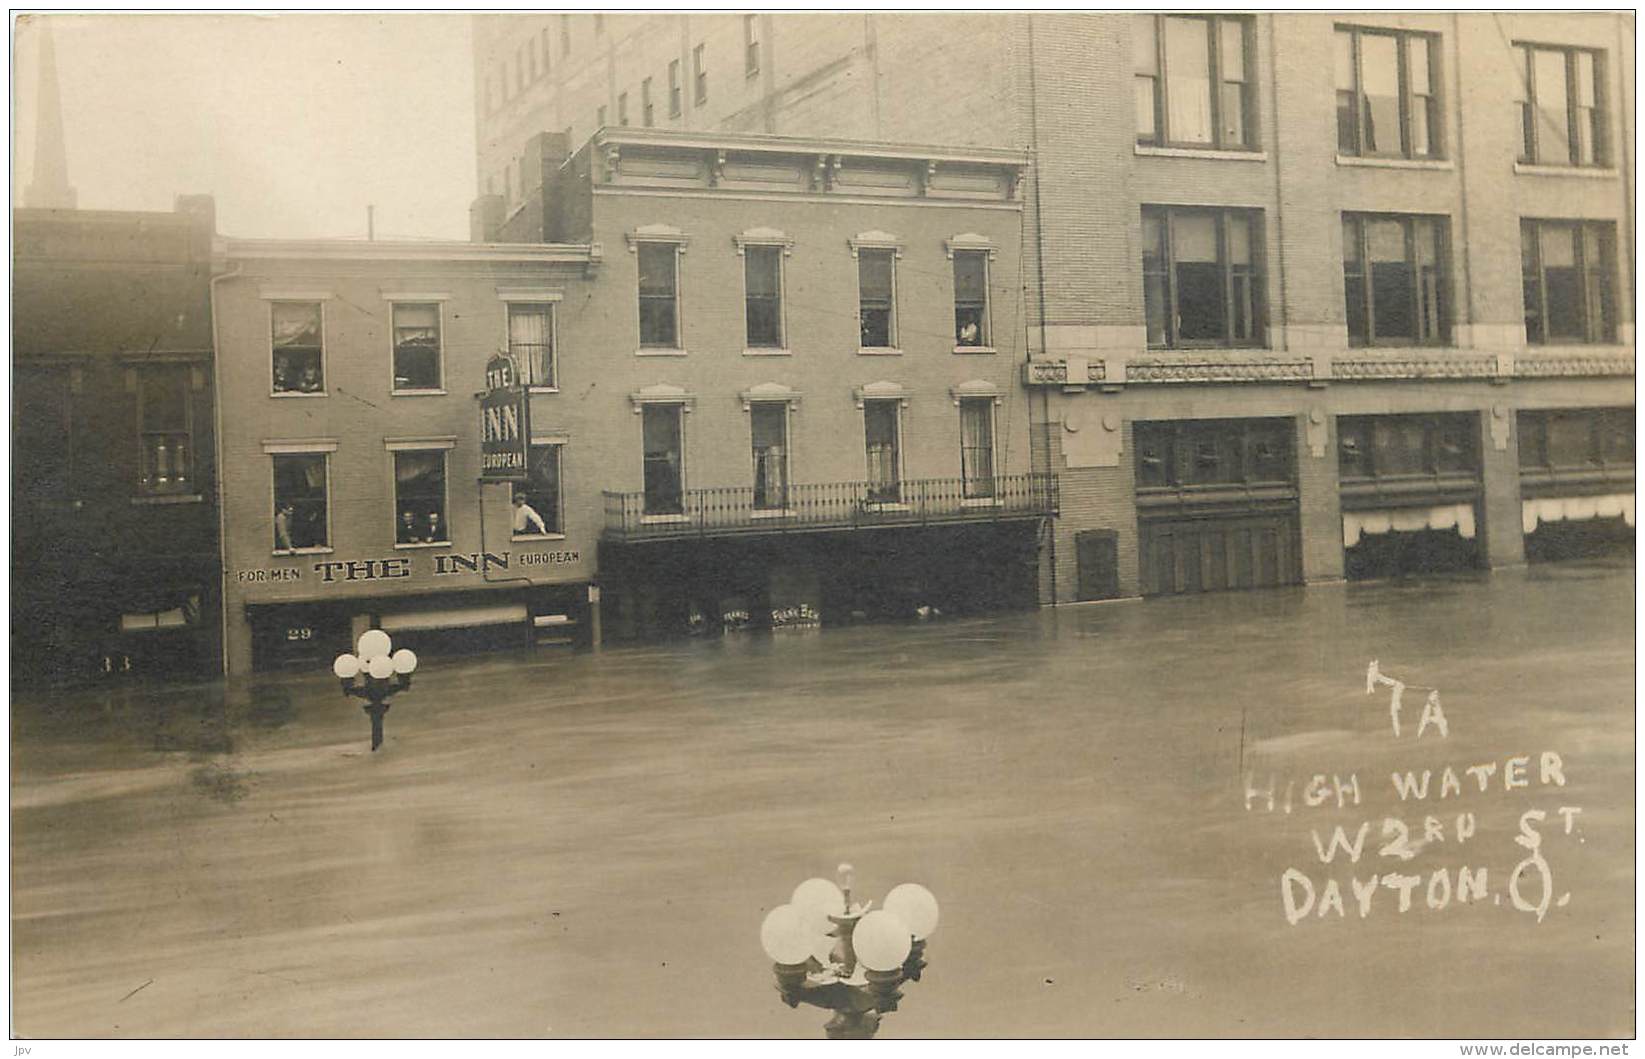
[
  {"x": 374, "y": 675},
  {"x": 835, "y": 954}
]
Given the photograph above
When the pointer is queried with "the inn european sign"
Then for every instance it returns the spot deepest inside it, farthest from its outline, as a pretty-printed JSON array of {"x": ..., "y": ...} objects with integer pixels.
[{"x": 505, "y": 429}]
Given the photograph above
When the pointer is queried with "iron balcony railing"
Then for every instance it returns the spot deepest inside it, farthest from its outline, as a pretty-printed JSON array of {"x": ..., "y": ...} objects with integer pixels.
[{"x": 731, "y": 510}]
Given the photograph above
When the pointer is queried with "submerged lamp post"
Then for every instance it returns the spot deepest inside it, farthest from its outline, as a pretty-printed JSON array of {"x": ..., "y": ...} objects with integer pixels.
[
  {"x": 373, "y": 674},
  {"x": 837, "y": 955}
]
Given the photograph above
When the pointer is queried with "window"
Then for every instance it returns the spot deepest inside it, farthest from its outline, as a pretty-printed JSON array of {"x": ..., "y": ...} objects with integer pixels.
[
  {"x": 599, "y": 117},
  {"x": 768, "y": 424},
  {"x": 977, "y": 446},
  {"x": 1202, "y": 276},
  {"x": 508, "y": 184},
  {"x": 300, "y": 517},
  {"x": 599, "y": 23},
  {"x": 537, "y": 499},
  {"x": 880, "y": 428},
  {"x": 664, "y": 459},
  {"x": 548, "y": 52},
  {"x": 1210, "y": 452},
  {"x": 165, "y": 430},
  {"x": 1567, "y": 268},
  {"x": 531, "y": 341},
  {"x": 420, "y": 497},
  {"x": 751, "y": 45},
  {"x": 1193, "y": 80},
  {"x": 565, "y": 34},
  {"x": 531, "y": 56},
  {"x": 299, "y": 366},
  {"x": 1560, "y": 95},
  {"x": 519, "y": 69},
  {"x": 674, "y": 88},
  {"x": 971, "y": 299},
  {"x": 876, "y": 289},
  {"x": 1394, "y": 277},
  {"x": 699, "y": 74},
  {"x": 659, "y": 295},
  {"x": 1387, "y": 93},
  {"x": 43, "y": 435},
  {"x": 763, "y": 293},
  {"x": 1576, "y": 438},
  {"x": 622, "y": 108},
  {"x": 416, "y": 346},
  {"x": 1384, "y": 446},
  {"x": 648, "y": 110}
]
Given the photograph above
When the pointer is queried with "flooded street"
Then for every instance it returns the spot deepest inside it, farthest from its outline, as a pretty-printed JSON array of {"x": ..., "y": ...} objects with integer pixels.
[{"x": 556, "y": 844}]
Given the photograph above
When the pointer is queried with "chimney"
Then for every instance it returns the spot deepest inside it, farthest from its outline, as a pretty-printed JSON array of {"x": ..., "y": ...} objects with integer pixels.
[{"x": 49, "y": 190}]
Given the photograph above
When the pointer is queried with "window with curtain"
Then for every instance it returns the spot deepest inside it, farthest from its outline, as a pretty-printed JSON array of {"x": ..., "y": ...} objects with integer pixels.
[
  {"x": 416, "y": 346},
  {"x": 977, "y": 446},
  {"x": 1387, "y": 93},
  {"x": 420, "y": 497},
  {"x": 297, "y": 344},
  {"x": 664, "y": 459},
  {"x": 876, "y": 292},
  {"x": 1560, "y": 95},
  {"x": 1202, "y": 276},
  {"x": 531, "y": 341},
  {"x": 1193, "y": 80},
  {"x": 300, "y": 501},
  {"x": 880, "y": 428},
  {"x": 659, "y": 295},
  {"x": 971, "y": 298},
  {"x": 540, "y": 490},
  {"x": 1395, "y": 279},
  {"x": 1567, "y": 271},
  {"x": 165, "y": 430},
  {"x": 763, "y": 296},
  {"x": 768, "y": 427}
]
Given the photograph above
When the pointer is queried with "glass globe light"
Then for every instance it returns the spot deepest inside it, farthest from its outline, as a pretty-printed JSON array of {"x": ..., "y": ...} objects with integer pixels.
[
  {"x": 373, "y": 642},
  {"x": 915, "y": 906},
  {"x": 346, "y": 666},
  {"x": 821, "y": 895},
  {"x": 380, "y": 667},
  {"x": 404, "y": 660},
  {"x": 784, "y": 937},
  {"x": 882, "y": 941}
]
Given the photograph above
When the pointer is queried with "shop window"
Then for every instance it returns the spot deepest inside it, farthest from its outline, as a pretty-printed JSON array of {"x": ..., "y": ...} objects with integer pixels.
[
  {"x": 1567, "y": 268},
  {"x": 420, "y": 497},
  {"x": 1394, "y": 274},
  {"x": 971, "y": 299},
  {"x": 416, "y": 346},
  {"x": 537, "y": 499},
  {"x": 977, "y": 446},
  {"x": 165, "y": 430},
  {"x": 301, "y": 518},
  {"x": 751, "y": 45},
  {"x": 881, "y": 428},
  {"x": 664, "y": 458},
  {"x": 1560, "y": 96},
  {"x": 1193, "y": 80},
  {"x": 299, "y": 360},
  {"x": 1214, "y": 452},
  {"x": 1202, "y": 276},
  {"x": 659, "y": 295},
  {"x": 1387, "y": 93},
  {"x": 674, "y": 88},
  {"x": 768, "y": 427},
  {"x": 1404, "y": 445},
  {"x": 531, "y": 342},
  {"x": 876, "y": 289},
  {"x": 763, "y": 294},
  {"x": 1574, "y": 439},
  {"x": 699, "y": 75}
]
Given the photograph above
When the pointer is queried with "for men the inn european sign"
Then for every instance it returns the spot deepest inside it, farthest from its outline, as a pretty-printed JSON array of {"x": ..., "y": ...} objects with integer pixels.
[{"x": 505, "y": 429}]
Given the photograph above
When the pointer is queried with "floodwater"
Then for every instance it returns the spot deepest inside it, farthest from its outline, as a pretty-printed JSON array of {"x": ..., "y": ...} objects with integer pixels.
[{"x": 580, "y": 845}]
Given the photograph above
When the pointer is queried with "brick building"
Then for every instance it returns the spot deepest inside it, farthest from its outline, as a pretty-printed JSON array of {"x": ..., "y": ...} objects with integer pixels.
[{"x": 1288, "y": 318}]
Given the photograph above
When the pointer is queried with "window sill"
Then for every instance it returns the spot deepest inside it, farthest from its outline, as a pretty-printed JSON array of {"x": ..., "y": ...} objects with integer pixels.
[
  {"x": 768, "y": 351},
  {"x": 1221, "y": 154},
  {"x": 659, "y": 520},
  {"x": 1585, "y": 172},
  {"x": 772, "y": 512},
  {"x": 424, "y": 544},
  {"x": 537, "y": 537},
  {"x": 417, "y": 393},
  {"x": 1372, "y": 162},
  {"x": 299, "y": 393},
  {"x": 964, "y": 350},
  {"x": 543, "y": 389},
  {"x": 164, "y": 500},
  {"x": 879, "y": 351},
  {"x": 644, "y": 351},
  {"x": 322, "y": 550}
]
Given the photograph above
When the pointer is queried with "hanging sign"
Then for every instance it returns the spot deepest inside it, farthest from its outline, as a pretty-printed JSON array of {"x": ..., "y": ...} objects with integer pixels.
[{"x": 505, "y": 428}]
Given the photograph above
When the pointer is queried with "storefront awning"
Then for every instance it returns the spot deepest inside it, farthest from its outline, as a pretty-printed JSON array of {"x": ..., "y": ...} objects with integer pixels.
[
  {"x": 455, "y": 618},
  {"x": 1459, "y": 517},
  {"x": 1575, "y": 509}
]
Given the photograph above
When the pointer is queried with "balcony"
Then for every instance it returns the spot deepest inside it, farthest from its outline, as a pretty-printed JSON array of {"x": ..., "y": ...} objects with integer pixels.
[{"x": 731, "y": 511}]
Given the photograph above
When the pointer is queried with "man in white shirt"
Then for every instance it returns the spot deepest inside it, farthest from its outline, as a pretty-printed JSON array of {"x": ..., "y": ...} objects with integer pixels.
[{"x": 526, "y": 517}]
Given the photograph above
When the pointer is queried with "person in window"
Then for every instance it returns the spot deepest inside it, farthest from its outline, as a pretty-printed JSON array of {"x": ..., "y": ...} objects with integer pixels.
[
  {"x": 970, "y": 334},
  {"x": 410, "y": 532},
  {"x": 310, "y": 380},
  {"x": 283, "y": 380},
  {"x": 435, "y": 530},
  {"x": 282, "y": 527},
  {"x": 526, "y": 519}
]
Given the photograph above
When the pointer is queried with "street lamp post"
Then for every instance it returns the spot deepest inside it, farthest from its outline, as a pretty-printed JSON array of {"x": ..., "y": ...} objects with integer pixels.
[
  {"x": 374, "y": 675},
  {"x": 832, "y": 953}
]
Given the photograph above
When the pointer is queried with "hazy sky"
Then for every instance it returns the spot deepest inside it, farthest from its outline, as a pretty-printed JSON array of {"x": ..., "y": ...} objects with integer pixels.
[{"x": 294, "y": 122}]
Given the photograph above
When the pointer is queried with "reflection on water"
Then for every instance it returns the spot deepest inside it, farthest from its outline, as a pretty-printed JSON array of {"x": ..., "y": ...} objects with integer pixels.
[{"x": 585, "y": 844}]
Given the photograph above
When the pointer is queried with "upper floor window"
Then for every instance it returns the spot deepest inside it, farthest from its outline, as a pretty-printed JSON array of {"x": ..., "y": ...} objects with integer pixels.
[
  {"x": 599, "y": 23},
  {"x": 531, "y": 341},
  {"x": 882, "y": 434},
  {"x": 751, "y": 45},
  {"x": 1387, "y": 93},
  {"x": 971, "y": 329},
  {"x": 537, "y": 499},
  {"x": 531, "y": 56},
  {"x": 659, "y": 295},
  {"x": 416, "y": 346},
  {"x": 622, "y": 108},
  {"x": 299, "y": 361},
  {"x": 763, "y": 294},
  {"x": 1193, "y": 80},
  {"x": 648, "y": 110},
  {"x": 663, "y": 439},
  {"x": 1394, "y": 275},
  {"x": 1560, "y": 94},
  {"x": 768, "y": 430},
  {"x": 699, "y": 74},
  {"x": 519, "y": 69},
  {"x": 548, "y": 52},
  {"x": 977, "y": 447},
  {"x": 1202, "y": 276},
  {"x": 1567, "y": 268},
  {"x": 599, "y": 116},
  {"x": 165, "y": 428},
  {"x": 565, "y": 34},
  {"x": 420, "y": 497},
  {"x": 877, "y": 298},
  {"x": 674, "y": 88},
  {"x": 300, "y": 501}
]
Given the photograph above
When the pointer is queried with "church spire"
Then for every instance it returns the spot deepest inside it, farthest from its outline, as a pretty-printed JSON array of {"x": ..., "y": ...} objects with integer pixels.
[{"x": 50, "y": 187}]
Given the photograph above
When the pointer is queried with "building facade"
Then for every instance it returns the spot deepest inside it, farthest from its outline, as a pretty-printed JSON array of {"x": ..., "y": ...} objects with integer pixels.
[
  {"x": 1287, "y": 319},
  {"x": 115, "y": 562}
]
